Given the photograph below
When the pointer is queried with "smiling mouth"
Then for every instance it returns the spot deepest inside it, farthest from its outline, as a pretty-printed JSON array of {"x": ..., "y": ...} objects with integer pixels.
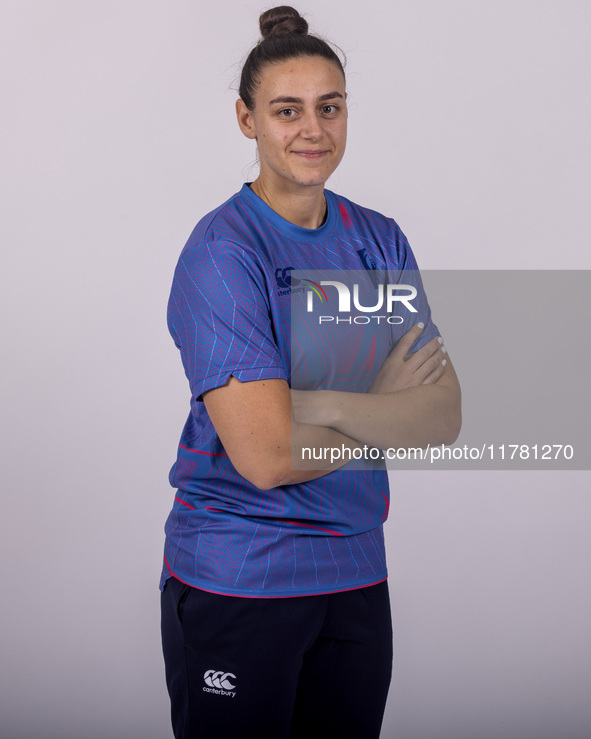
[{"x": 311, "y": 154}]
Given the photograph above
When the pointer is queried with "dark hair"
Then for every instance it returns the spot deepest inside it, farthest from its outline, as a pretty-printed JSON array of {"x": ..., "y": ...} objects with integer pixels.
[{"x": 285, "y": 36}]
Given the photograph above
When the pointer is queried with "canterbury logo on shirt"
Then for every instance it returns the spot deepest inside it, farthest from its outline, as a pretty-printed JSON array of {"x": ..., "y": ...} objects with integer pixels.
[
  {"x": 283, "y": 277},
  {"x": 285, "y": 282}
]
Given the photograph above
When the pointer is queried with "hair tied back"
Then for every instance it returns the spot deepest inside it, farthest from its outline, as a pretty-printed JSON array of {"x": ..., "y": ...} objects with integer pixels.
[
  {"x": 285, "y": 36},
  {"x": 282, "y": 21}
]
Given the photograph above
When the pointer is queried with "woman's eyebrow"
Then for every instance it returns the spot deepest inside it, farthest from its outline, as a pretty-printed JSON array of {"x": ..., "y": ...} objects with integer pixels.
[{"x": 286, "y": 99}]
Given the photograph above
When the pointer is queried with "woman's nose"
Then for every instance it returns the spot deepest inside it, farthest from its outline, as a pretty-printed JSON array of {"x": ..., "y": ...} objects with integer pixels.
[{"x": 311, "y": 127}]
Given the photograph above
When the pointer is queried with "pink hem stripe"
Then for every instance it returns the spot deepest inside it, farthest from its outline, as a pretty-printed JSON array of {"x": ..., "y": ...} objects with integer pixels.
[{"x": 296, "y": 595}]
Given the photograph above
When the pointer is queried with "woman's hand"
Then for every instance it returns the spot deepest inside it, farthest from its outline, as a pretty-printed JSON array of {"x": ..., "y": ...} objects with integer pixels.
[
  {"x": 414, "y": 400},
  {"x": 401, "y": 370}
]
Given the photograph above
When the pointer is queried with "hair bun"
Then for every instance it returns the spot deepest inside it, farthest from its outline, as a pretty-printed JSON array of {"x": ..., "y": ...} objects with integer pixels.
[{"x": 282, "y": 21}]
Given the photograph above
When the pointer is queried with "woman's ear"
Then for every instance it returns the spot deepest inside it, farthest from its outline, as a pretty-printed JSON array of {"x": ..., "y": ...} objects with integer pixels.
[{"x": 245, "y": 119}]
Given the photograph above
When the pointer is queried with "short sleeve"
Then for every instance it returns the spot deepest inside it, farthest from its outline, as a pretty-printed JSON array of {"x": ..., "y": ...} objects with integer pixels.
[
  {"x": 219, "y": 317},
  {"x": 409, "y": 275}
]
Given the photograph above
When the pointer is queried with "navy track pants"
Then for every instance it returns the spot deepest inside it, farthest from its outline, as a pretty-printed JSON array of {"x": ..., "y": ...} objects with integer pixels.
[{"x": 277, "y": 668}]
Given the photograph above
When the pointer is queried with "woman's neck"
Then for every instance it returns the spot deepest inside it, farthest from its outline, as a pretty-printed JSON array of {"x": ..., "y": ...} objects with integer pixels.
[{"x": 304, "y": 207}]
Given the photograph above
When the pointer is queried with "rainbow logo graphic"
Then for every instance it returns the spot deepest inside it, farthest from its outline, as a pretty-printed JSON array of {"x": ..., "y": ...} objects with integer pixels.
[{"x": 317, "y": 289}]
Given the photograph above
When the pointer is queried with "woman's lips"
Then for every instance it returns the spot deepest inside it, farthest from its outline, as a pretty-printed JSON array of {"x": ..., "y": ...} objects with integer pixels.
[{"x": 311, "y": 154}]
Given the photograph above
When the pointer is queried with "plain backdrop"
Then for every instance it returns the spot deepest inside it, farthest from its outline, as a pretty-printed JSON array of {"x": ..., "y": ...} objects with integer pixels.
[{"x": 469, "y": 123}]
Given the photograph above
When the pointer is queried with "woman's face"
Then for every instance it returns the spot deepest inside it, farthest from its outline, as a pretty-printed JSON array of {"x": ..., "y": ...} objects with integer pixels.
[{"x": 299, "y": 121}]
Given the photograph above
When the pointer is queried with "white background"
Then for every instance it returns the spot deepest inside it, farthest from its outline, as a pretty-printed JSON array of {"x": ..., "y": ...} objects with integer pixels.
[{"x": 469, "y": 123}]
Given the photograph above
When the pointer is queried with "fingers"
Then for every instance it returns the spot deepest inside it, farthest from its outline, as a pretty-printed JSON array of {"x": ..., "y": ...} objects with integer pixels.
[
  {"x": 402, "y": 370},
  {"x": 436, "y": 374},
  {"x": 416, "y": 359},
  {"x": 428, "y": 363},
  {"x": 408, "y": 339}
]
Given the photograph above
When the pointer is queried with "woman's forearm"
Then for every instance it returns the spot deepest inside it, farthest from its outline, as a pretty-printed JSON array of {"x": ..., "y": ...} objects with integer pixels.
[
  {"x": 264, "y": 442},
  {"x": 315, "y": 451},
  {"x": 414, "y": 417},
  {"x": 411, "y": 417}
]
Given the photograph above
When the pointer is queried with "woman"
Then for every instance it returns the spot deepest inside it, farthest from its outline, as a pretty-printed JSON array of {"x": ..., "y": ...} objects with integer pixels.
[{"x": 276, "y": 619}]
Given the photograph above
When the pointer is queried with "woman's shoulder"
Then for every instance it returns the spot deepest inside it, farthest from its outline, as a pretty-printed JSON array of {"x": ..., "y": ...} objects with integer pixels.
[
  {"x": 224, "y": 243},
  {"x": 354, "y": 214},
  {"x": 225, "y": 228},
  {"x": 218, "y": 224}
]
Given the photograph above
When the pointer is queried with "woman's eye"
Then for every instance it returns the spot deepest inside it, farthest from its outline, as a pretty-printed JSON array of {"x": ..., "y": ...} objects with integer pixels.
[
  {"x": 287, "y": 113},
  {"x": 329, "y": 109}
]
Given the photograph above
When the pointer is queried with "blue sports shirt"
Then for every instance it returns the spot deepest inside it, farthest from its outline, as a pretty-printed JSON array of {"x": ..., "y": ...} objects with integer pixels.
[{"x": 229, "y": 313}]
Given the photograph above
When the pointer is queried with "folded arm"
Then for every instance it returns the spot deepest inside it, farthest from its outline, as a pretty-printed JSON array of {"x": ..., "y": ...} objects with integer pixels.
[
  {"x": 414, "y": 401},
  {"x": 255, "y": 423}
]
